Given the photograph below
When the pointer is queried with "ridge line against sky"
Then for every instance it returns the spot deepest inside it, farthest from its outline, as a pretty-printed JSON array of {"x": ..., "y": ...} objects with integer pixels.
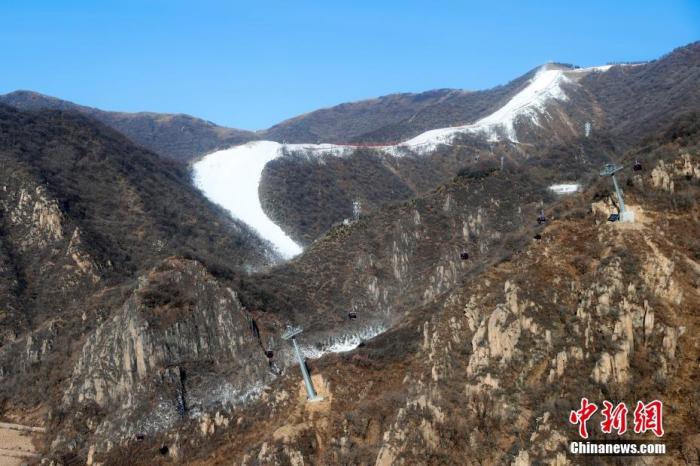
[{"x": 251, "y": 65}]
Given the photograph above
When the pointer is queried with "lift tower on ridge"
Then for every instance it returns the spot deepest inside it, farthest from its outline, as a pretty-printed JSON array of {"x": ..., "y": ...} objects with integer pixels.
[{"x": 609, "y": 170}]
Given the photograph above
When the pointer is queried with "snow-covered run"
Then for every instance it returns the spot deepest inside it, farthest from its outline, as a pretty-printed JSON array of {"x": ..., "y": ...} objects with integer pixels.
[
  {"x": 343, "y": 343},
  {"x": 565, "y": 188},
  {"x": 529, "y": 102},
  {"x": 231, "y": 177}
]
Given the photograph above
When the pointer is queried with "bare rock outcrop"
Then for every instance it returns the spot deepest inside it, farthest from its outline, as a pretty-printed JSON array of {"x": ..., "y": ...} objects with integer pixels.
[{"x": 180, "y": 346}]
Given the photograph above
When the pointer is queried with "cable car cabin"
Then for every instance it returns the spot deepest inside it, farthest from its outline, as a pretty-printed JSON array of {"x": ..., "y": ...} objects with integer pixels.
[
  {"x": 269, "y": 354},
  {"x": 352, "y": 315},
  {"x": 464, "y": 256},
  {"x": 637, "y": 166},
  {"x": 614, "y": 217},
  {"x": 541, "y": 219}
]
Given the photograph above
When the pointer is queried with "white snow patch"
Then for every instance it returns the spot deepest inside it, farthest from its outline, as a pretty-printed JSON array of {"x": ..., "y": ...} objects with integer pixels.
[
  {"x": 319, "y": 149},
  {"x": 529, "y": 103},
  {"x": 161, "y": 418},
  {"x": 229, "y": 395},
  {"x": 600, "y": 69},
  {"x": 565, "y": 188},
  {"x": 342, "y": 343},
  {"x": 627, "y": 216},
  {"x": 231, "y": 178},
  {"x": 165, "y": 414}
]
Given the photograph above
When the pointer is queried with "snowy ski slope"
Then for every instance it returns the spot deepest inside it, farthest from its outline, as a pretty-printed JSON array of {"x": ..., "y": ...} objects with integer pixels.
[{"x": 231, "y": 177}]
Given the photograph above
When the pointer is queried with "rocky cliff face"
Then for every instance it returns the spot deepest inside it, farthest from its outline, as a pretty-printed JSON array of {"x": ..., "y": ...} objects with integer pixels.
[
  {"x": 181, "y": 345},
  {"x": 569, "y": 317},
  {"x": 47, "y": 266}
]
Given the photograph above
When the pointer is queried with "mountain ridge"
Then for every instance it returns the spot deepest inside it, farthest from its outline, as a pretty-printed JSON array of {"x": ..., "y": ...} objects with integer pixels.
[
  {"x": 385, "y": 119},
  {"x": 177, "y": 136}
]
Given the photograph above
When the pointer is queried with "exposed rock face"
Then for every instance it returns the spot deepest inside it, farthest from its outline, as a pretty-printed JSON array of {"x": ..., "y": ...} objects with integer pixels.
[
  {"x": 662, "y": 175},
  {"x": 46, "y": 260},
  {"x": 166, "y": 354},
  {"x": 612, "y": 311},
  {"x": 12, "y": 322},
  {"x": 39, "y": 214},
  {"x": 496, "y": 338}
]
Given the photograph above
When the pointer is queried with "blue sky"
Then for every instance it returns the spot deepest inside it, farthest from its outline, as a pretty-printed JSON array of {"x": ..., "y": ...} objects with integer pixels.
[{"x": 253, "y": 64}]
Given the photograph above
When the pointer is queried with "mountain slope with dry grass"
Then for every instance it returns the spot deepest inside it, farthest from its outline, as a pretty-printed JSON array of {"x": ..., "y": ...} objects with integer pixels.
[
  {"x": 487, "y": 371},
  {"x": 175, "y": 136}
]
